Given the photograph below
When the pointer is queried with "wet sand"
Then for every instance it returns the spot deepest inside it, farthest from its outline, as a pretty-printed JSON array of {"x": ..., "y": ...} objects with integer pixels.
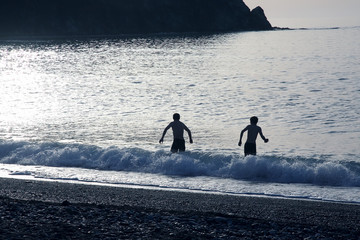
[{"x": 53, "y": 210}]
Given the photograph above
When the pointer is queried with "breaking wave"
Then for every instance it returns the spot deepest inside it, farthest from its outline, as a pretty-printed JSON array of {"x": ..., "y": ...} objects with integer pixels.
[{"x": 252, "y": 168}]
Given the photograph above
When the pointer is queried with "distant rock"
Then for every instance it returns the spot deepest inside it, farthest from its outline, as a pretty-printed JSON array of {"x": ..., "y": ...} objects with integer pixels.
[
  {"x": 258, "y": 19},
  {"x": 36, "y": 18}
]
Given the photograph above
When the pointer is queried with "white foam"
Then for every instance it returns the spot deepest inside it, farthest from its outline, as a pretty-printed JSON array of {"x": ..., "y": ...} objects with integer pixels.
[{"x": 268, "y": 169}]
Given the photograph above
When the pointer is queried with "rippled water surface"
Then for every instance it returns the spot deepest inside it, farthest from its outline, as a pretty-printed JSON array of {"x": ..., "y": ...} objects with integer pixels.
[{"x": 304, "y": 85}]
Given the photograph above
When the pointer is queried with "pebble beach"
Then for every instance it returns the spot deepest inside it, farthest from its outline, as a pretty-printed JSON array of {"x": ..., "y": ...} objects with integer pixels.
[{"x": 31, "y": 209}]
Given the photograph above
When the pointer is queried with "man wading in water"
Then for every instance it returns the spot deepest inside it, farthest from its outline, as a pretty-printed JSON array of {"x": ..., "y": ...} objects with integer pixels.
[
  {"x": 178, "y": 133},
  {"x": 253, "y": 131}
]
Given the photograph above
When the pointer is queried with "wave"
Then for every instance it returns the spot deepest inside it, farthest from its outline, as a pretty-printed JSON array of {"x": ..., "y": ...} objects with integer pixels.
[{"x": 272, "y": 169}]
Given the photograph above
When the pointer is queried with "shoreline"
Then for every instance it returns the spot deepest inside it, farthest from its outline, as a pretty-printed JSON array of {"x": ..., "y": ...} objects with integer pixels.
[
  {"x": 62, "y": 210},
  {"x": 181, "y": 190}
]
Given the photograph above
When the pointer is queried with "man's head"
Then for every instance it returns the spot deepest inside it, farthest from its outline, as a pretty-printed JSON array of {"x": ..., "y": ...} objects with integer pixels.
[
  {"x": 254, "y": 120},
  {"x": 176, "y": 116}
]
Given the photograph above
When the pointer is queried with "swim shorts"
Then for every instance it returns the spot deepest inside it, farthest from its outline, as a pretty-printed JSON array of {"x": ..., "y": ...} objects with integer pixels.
[
  {"x": 178, "y": 145},
  {"x": 250, "y": 149}
]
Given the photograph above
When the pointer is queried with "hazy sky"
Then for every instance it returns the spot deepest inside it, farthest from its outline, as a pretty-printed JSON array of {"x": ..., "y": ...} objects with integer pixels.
[{"x": 310, "y": 13}]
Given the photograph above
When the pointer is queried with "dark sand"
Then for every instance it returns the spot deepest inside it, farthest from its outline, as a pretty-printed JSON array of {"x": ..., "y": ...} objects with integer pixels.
[{"x": 53, "y": 210}]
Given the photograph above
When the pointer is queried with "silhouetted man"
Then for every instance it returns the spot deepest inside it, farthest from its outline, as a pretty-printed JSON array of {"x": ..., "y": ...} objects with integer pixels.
[
  {"x": 178, "y": 133},
  {"x": 253, "y": 131}
]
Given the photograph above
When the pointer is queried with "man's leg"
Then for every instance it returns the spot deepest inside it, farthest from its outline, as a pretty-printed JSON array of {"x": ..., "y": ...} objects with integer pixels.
[{"x": 181, "y": 145}]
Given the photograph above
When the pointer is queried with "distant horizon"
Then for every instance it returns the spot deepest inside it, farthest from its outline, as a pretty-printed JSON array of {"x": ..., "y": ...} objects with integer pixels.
[{"x": 309, "y": 13}]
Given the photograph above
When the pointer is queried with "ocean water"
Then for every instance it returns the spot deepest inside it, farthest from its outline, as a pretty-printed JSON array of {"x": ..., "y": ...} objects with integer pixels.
[{"x": 93, "y": 110}]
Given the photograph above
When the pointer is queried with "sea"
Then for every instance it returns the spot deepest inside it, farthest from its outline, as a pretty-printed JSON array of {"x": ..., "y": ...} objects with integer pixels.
[{"x": 92, "y": 111}]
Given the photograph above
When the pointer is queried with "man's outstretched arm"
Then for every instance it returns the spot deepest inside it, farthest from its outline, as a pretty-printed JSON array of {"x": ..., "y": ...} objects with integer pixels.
[
  {"x": 189, "y": 133},
  {"x": 241, "y": 135},
  {"x": 262, "y": 136},
  {"x": 164, "y": 133}
]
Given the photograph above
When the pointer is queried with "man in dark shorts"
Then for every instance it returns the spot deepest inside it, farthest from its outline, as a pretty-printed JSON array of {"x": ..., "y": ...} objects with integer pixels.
[
  {"x": 178, "y": 133},
  {"x": 253, "y": 131}
]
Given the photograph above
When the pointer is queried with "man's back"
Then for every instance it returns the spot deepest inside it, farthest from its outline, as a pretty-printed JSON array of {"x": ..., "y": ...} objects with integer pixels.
[
  {"x": 178, "y": 133},
  {"x": 178, "y": 129},
  {"x": 253, "y": 131}
]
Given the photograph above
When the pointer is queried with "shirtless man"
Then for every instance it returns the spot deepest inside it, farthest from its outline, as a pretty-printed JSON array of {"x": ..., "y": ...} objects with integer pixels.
[
  {"x": 253, "y": 131},
  {"x": 178, "y": 133}
]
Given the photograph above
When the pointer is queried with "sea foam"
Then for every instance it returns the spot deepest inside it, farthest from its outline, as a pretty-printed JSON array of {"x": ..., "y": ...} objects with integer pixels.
[{"x": 272, "y": 169}]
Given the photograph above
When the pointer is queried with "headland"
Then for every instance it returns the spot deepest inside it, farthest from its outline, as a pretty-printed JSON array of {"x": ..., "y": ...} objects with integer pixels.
[{"x": 65, "y": 18}]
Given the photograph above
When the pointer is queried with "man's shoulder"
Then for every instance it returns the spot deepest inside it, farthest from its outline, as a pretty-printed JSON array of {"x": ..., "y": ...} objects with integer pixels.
[
  {"x": 258, "y": 128},
  {"x": 254, "y": 127},
  {"x": 176, "y": 123},
  {"x": 170, "y": 124}
]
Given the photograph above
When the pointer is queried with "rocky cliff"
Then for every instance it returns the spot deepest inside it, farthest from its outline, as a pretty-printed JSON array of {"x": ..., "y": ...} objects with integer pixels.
[{"x": 117, "y": 17}]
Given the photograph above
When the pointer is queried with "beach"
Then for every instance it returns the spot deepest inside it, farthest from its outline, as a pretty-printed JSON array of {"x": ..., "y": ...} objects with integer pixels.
[
  {"x": 82, "y": 110},
  {"x": 33, "y": 209}
]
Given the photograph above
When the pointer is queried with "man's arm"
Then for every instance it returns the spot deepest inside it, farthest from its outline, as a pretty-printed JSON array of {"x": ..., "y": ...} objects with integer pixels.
[
  {"x": 241, "y": 135},
  {"x": 189, "y": 133},
  {"x": 262, "y": 135},
  {"x": 163, "y": 135}
]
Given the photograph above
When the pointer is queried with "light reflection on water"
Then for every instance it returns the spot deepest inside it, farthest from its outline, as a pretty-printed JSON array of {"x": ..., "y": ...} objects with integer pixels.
[{"x": 303, "y": 86}]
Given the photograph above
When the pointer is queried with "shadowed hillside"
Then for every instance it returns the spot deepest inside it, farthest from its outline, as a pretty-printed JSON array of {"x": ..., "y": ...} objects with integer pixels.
[{"x": 116, "y": 17}]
